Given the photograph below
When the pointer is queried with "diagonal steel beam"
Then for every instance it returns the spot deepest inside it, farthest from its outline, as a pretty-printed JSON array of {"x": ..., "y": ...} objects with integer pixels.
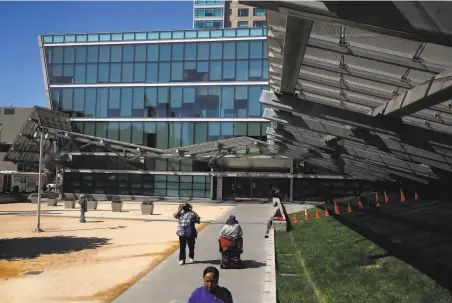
[
  {"x": 295, "y": 42},
  {"x": 436, "y": 91}
]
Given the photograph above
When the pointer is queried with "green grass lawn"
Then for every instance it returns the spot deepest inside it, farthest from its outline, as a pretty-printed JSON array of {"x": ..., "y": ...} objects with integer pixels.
[{"x": 324, "y": 261}]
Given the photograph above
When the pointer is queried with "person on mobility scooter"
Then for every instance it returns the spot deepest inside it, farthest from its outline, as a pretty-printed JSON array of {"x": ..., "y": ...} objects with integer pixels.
[{"x": 231, "y": 243}]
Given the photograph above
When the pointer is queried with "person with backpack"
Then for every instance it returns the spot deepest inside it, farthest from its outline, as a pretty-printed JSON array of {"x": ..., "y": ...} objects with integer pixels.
[{"x": 186, "y": 231}]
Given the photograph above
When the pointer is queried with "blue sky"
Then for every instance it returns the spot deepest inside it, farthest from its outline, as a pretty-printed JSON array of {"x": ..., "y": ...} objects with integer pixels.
[{"x": 21, "y": 81}]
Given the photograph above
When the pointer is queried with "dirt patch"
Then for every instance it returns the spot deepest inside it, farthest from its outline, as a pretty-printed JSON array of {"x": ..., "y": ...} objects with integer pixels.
[{"x": 76, "y": 269}]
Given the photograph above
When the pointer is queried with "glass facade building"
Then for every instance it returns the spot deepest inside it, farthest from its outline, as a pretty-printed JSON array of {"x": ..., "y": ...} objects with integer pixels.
[
  {"x": 156, "y": 89},
  {"x": 208, "y": 14}
]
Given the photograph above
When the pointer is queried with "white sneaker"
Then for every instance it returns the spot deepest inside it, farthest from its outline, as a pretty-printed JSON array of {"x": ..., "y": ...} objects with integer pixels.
[
  {"x": 190, "y": 260},
  {"x": 181, "y": 262}
]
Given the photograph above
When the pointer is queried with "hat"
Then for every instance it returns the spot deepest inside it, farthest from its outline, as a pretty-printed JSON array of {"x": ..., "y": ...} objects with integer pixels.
[
  {"x": 82, "y": 196},
  {"x": 232, "y": 218}
]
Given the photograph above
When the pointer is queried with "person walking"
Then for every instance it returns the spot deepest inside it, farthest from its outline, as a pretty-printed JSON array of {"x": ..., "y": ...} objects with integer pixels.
[
  {"x": 83, "y": 208},
  {"x": 186, "y": 231},
  {"x": 211, "y": 292}
]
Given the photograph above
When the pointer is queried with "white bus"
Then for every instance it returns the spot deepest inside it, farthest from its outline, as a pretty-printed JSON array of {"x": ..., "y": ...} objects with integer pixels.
[{"x": 20, "y": 182}]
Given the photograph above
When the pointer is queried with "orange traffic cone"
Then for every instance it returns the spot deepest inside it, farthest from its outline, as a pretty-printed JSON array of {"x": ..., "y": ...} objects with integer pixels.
[
  {"x": 416, "y": 196},
  {"x": 306, "y": 216},
  {"x": 317, "y": 215},
  {"x": 295, "y": 219},
  {"x": 349, "y": 209},
  {"x": 360, "y": 204},
  {"x": 327, "y": 214},
  {"x": 377, "y": 200},
  {"x": 386, "y": 198},
  {"x": 402, "y": 196},
  {"x": 336, "y": 209}
]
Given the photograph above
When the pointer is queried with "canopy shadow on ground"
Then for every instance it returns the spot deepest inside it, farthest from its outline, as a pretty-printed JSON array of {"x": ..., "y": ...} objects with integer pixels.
[
  {"x": 417, "y": 232},
  {"x": 30, "y": 248},
  {"x": 245, "y": 263}
]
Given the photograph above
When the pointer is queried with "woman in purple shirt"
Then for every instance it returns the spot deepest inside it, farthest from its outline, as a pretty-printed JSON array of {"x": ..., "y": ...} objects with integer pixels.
[{"x": 211, "y": 292}]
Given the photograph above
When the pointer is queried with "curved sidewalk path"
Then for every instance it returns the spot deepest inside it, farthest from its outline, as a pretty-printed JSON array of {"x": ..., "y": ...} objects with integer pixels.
[{"x": 171, "y": 283}]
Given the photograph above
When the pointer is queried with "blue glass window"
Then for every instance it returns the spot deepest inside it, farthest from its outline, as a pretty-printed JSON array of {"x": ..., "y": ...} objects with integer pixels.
[
  {"x": 68, "y": 70},
  {"x": 127, "y": 72},
  {"x": 258, "y": 11},
  {"x": 115, "y": 73},
  {"x": 66, "y": 99},
  {"x": 165, "y": 52},
  {"x": 79, "y": 101},
  {"x": 216, "y": 51},
  {"x": 116, "y": 53},
  {"x": 241, "y": 101},
  {"x": 153, "y": 52},
  {"x": 176, "y": 97},
  {"x": 104, "y": 72},
  {"x": 256, "y": 49},
  {"x": 243, "y": 50},
  {"x": 203, "y": 51},
  {"x": 242, "y": 24},
  {"x": 176, "y": 71},
  {"x": 163, "y": 95},
  {"x": 80, "y": 71},
  {"x": 254, "y": 107},
  {"x": 91, "y": 73},
  {"x": 57, "y": 55},
  {"x": 90, "y": 102},
  {"x": 104, "y": 54},
  {"x": 215, "y": 70},
  {"x": 227, "y": 102},
  {"x": 114, "y": 102},
  {"x": 242, "y": 70},
  {"x": 139, "y": 72},
  {"x": 69, "y": 55},
  {"x": 126, "y": 102},
  {"x": 127, "y": 53},
  {"x": 140, "y": 53},
  {"x": 178, "y": 51},
  {"x": 256, "y": 69},
  {"x": 190, "y": 51},
  {"x": 102, "y": 102},
  {"x": 229, "y": 50},
  {"x": 228, "y": 70},
  {"x": 152, "y": 72},
  {"x": 265, "y": 70},
  {"x": 164, "y": 72},
  {"x": 92, "y": 54}
]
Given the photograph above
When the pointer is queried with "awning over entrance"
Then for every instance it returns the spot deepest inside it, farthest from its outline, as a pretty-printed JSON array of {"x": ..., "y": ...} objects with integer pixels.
[{"x": 361, "y": 88}]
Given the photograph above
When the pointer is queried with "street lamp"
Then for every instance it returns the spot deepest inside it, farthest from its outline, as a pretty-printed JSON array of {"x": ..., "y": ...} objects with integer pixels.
[{"x": 41, "y": 133}]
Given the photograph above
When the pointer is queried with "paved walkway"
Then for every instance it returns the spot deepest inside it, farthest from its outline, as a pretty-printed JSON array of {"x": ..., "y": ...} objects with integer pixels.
[{"x": 171, "y": 283}]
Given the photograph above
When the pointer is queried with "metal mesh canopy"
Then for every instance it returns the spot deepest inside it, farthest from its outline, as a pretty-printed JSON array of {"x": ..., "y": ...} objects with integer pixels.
[
  {"x": 366, "y": 95},
  {"x": 58, "y": 125},
  {"x": 25, "y": 147}
]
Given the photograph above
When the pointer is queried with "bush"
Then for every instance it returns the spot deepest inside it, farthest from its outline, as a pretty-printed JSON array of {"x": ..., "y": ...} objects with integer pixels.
[
  {"x": 116, "y": 201},
  {"x": 147, "y": 202}
]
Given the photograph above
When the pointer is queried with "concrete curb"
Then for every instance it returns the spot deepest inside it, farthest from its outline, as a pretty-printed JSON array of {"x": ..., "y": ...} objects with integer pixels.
[{"x": 270, "y": 270}]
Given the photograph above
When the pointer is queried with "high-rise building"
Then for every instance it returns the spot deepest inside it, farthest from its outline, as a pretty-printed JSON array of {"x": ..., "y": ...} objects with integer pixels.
[
  {"x": 243, "y": 16},
  {"x": 209, "y": 14},
  {"x": 220, "y": 13},
  {"x": 161, "y": 90}
]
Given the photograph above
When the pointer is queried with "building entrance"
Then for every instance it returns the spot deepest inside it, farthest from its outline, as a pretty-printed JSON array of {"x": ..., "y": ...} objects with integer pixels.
[{"x": 252, "y": 188}]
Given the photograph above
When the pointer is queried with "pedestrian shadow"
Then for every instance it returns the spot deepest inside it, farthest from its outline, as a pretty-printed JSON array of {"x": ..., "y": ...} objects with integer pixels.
[{"x": 30, "y": 248}]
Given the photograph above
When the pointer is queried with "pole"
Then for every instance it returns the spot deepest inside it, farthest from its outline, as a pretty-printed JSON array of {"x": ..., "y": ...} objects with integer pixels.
[{"x": 41, "y": 142}]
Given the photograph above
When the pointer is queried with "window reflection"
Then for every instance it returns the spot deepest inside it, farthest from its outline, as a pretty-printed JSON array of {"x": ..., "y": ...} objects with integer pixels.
[{"x": 201, "y": 101}]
